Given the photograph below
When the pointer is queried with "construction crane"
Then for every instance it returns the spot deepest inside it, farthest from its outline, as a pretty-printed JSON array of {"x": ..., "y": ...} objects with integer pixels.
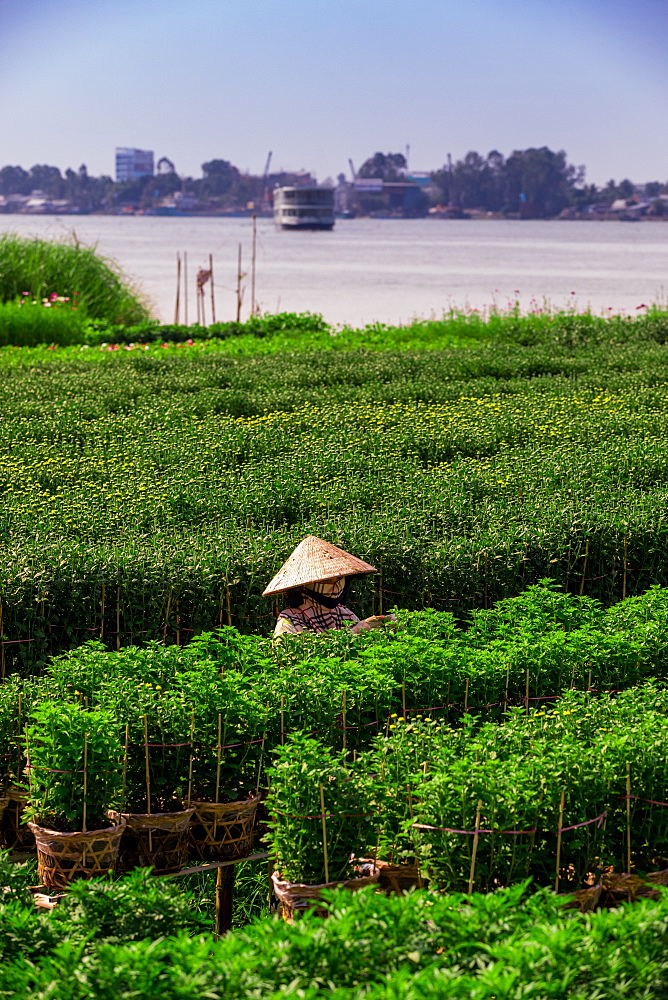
[
  {"x": 265, "y": 191},
  {"x": 352, "y": 170}
]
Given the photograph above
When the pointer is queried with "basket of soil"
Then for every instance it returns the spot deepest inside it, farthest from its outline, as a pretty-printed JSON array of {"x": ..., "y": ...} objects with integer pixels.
[
  {"x": 14, "y": 833},
  {"x": 156, "y": 840},
  {"x": 222, "y": 831},
  {"x": 63, "y": 857},
  {"x": 295, "y": 898}
]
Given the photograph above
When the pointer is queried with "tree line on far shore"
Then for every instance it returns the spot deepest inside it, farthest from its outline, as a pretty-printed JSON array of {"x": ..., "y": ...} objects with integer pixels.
[{"x": 534, "y": 182}]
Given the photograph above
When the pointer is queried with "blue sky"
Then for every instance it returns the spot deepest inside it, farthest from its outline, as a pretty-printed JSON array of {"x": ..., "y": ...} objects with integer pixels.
[{"x": 318, "y": 81}]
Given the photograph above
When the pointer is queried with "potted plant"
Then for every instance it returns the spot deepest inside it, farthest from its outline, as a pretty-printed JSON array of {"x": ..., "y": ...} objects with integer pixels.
[
  {"x": 16, "y": 695},
  {"x": 156, "y": 762},
  {"x": 227, "y": 723},
  {"x": 72, "y": 761},
  {"x": 318, "y": 814}
]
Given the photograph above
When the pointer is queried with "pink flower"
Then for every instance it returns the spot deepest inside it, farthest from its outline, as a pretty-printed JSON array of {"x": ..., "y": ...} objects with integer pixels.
[{"x": 190, "y": 342}]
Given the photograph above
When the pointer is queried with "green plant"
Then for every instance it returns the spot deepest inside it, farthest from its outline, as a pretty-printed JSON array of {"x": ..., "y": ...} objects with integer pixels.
[
  {"x": 43, "y": 268},
  {"x": 303, "y": 776},
  {"x": 74, "y": 766}
]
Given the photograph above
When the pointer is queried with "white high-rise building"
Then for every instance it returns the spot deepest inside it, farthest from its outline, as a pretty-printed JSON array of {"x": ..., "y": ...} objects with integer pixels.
[{"x": 131, "y": 163}]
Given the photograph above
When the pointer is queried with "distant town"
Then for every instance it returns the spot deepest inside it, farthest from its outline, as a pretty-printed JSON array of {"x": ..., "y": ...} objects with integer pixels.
[{"x": 528, "y": 184}]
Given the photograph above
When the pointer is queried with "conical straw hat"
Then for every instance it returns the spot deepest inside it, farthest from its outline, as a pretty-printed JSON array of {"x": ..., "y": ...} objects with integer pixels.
[{"x": 312, "y": 561}]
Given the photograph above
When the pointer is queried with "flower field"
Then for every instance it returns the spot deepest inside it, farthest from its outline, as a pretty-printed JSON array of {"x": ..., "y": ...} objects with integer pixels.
[
  {"x": 506, "y": 739},
  {"x": 150, "y": 495}
]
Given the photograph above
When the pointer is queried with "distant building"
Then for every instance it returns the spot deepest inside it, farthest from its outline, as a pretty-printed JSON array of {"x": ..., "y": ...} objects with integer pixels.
[{"x": 132, "y": 163}]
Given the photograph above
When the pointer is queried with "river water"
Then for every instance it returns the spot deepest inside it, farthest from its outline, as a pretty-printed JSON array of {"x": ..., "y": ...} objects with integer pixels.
[{"x": 383, "y": 269}]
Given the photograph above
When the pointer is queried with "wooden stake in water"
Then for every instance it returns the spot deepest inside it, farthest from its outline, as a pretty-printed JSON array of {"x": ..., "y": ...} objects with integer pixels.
[
  {"x": 253, "y": 256},
  {"x": 474, "y": 852},
  {"x": 561, "y": 823},
  {"x": 239, "y": 291},
  {"x": 185, "y": 287},
  {"x": 628, "y": 818},
  {"x": 324, "y": 832},
  {"x": 213, "y": 297},
  {"x": 177, "y": 304}
]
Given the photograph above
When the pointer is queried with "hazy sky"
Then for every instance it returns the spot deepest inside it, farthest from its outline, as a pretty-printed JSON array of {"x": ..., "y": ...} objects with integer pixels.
[{"x": 318, "y": 81}]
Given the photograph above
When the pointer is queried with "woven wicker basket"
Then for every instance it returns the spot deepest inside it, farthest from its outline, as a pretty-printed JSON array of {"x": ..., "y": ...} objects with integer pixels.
[
  {"x": 14, "y": 834},
  {"x": 156, "y": 840},
  {"x": 64, "y": 857},
  {"x": 294, "y": 898},
  {"x": 222, "y": 831},
  {"x": 400, "y": 878}
]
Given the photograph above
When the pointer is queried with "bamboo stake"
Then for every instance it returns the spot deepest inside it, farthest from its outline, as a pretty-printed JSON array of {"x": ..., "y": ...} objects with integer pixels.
[
  {"x": 148, "y": 781},
  {"x": 324, "y": 832},
  {"x": 561, "y": 823},
  {"x": 85, "y": 784},
  {"x": 185, "y": 287},
  {"x": 227, "y": 601},
  {"x": 239, "y": 277},
  {"x": 380, "y": 586},
  {"x": 624, "y": 581},
  {"x": 505, "y": 697},
  {"x": 102, "y": 611},
  {"x": 169, "y": 604},
  {"x": 253, "y": 255},
  {"x": 2, "y": 648},
  {"x": 282, "y": 719},
  {"x": 526, "y": 692},
  {"x": 466, "y": 695},
  {"x": 178, "y": 623},
  {"x": 213, "y": 297},
  {"x": 177, "y": 304},
  {"x": 474, "y": 852},
  {"x": 220, "y": 615},
  {"x": 218, "y": 751},
  {"x": 125, "y": 760},
  {"x": 190, "y": 765},
  {"x": 584, "y": 568},
  {"x": 403, "y": 698},
  {"x": 343, "y": 718},
  {"x": 628, "y": 818},
  {"x": 118, "y": 618}
]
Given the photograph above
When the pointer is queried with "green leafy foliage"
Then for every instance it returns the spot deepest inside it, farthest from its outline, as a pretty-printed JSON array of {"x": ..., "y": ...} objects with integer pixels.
[{"x": 56, "y": 742}]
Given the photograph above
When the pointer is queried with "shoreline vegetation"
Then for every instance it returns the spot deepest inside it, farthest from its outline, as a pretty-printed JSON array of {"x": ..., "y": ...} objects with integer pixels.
[{"x": 533, "y": 183}]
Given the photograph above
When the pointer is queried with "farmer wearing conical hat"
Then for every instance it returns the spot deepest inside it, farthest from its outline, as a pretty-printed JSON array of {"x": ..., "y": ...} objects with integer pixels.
[{"x": 316, "y": 579}]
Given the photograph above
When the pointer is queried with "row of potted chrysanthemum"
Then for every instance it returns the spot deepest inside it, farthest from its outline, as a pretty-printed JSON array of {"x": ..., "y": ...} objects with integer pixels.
[{"x": 100, "y": 796}]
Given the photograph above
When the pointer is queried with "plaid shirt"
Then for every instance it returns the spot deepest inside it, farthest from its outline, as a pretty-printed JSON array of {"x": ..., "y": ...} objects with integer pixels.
[{"x": 312, "y": 617}]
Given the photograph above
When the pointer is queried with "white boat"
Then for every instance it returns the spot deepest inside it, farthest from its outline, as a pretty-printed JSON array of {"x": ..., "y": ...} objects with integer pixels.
[{"x": 304, "y": 207}]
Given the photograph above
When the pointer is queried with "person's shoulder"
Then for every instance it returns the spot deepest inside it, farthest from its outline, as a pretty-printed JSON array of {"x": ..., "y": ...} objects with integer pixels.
[{"x": 347, "y": 614}]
